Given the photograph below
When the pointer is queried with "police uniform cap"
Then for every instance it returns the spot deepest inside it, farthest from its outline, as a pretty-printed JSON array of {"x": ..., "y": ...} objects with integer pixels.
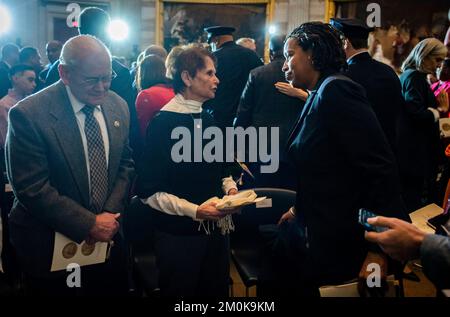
[
  {"x": 352, "y": 28},
  {"x": 218, "y": 30}
]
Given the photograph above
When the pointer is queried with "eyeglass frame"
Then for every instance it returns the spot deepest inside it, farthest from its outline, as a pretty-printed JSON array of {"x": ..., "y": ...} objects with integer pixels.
[{"x": 92, "y": 81}]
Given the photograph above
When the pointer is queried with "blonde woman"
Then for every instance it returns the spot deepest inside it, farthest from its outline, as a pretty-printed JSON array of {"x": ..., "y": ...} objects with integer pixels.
[{"x": 419, "y": 143}]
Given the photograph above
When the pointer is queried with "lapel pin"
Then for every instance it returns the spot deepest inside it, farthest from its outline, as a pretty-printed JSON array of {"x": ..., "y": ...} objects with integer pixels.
[{"x": 116, "y": 124}]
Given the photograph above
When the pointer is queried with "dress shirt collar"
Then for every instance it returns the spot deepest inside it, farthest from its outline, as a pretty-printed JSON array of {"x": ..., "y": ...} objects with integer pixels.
[{"x": 76, "y": 104}]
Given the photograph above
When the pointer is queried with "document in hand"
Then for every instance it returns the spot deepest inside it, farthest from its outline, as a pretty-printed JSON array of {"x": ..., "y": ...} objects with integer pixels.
[
  {"x": 243, "y": 198},
  {"x": 66, "y": 251}
]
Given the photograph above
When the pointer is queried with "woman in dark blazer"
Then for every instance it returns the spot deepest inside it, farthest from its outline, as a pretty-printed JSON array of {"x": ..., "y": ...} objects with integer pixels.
[
  {"x": 342, "y": 158},
  {"x": 419, "y": 141}
]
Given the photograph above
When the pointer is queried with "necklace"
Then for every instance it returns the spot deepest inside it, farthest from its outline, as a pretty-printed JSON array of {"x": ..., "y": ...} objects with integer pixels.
[{"x": 197, "y": 124}]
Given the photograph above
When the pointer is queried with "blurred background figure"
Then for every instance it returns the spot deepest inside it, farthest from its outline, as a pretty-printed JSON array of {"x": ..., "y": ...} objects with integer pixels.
[
  {"x": 157, "y": 50},
  {"x": 443, "y": 83},
  {"x": 10, "y": 57},
  {"x": 30, "y": 56},
  {"x": 247, "y": 42},
  {"x": 53, "y": 50},
  {"x": 170, "y": 61},
  {"x": 23, "y": 79},
  {"x": 154, "y": 90}
]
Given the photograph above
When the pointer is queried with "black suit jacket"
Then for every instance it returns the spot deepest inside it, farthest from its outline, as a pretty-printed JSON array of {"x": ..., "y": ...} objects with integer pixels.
[
  {"x": 262, "y": 105},
  {"x": 343, "y": 163},
  {"x": 383, "y": 91},
  {"x": 234, "y": 63},
  {"x": 121, "y": 85},
  {"x": 5, "y": 83}
]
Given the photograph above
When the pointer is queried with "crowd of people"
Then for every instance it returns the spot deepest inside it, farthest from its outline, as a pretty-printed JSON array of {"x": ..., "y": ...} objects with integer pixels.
[{"x": 85, "y": 133}]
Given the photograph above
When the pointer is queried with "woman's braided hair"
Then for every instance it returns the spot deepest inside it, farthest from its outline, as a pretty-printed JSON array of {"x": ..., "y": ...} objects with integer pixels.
[{"x": 325, "y": 43}]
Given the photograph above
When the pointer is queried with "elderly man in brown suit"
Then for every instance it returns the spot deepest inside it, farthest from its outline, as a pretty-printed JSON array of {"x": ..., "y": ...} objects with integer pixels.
[{"x": 69, "y": 163}]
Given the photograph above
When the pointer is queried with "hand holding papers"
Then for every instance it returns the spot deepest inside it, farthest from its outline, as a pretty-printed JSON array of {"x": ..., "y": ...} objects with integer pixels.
[
  {"x": 66, "y": 252},
  {"x": 241, "y": 199},
  {"x": 231, "y": 204}
]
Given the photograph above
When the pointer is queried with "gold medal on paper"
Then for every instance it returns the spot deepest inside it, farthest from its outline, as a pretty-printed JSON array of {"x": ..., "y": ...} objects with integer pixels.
[
  {"x": 69, "y": 250},
  {"x": 87, "y": 249},
  {"x": 446, "y": 127}
]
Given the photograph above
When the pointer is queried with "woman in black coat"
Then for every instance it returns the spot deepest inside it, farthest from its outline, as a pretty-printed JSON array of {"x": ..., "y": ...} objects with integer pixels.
[{"x": 419, "y": 135}]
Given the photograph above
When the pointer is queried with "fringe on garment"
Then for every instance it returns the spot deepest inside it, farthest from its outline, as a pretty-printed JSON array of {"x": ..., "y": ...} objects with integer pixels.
[{"x": 225, "y": 224}]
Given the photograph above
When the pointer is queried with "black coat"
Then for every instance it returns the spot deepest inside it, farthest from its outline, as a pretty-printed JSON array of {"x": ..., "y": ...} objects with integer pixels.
[
  {"x": 383, "y": 90},
  {"x": 419, "y": 150},
  {"x": 343, "y": 163},
  {"x": 262, "y": 105},
  {"x": 5, "y": 83},
  {"x": 234, "y": 64}
]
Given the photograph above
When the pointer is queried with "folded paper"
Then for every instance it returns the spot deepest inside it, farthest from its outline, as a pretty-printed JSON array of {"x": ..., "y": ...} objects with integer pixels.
[{"x": 66, "y": 251}]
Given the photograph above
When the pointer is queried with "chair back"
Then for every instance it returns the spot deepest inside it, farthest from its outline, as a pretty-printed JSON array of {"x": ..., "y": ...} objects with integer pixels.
[{"x": 253, "y": 218}]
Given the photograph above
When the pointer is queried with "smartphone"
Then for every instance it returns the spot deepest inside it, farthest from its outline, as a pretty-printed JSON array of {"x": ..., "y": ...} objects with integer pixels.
[{"x": 362, "y": 219}]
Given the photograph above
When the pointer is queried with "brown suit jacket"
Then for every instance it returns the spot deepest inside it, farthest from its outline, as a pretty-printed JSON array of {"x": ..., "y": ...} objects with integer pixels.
[{"x": 47, "y": 169}]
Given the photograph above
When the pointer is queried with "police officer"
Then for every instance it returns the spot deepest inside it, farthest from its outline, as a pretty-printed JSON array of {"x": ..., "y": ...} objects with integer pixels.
[
  {"x": 379, "y": 80},
  {"x": 234, "y": 64}
]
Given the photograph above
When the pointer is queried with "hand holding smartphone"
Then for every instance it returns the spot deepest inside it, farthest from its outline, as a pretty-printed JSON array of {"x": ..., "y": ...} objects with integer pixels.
[{"x": 363, "y": 215}]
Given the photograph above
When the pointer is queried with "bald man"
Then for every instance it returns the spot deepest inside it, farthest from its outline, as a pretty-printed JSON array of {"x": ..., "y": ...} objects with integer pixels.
[{"x": 70, "y": 168}]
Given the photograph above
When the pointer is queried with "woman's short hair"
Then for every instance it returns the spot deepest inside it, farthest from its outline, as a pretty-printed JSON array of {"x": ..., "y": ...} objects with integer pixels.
[
  {"x": 151, "y": 71},
  {"x": 191, "y": 59},
  {"x": 325, "y": 43},
  {"x": 429, "y": 47}
]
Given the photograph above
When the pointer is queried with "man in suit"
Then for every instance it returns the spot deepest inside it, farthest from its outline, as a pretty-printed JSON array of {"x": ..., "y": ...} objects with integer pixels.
[
  {"x": 262, "y": 105},
  {"x": 10, "y": 57},
  {"x": 380, "y": 82},
  {"x": 69, "y": 165},
  {"x": 234, "y": 63},
  {"x": 53, "y": 50},
  {"x": 95, "y": 21}
]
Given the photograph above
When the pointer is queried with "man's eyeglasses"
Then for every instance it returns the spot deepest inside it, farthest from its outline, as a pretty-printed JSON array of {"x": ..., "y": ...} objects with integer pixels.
[{"x": 92, "y": 81}]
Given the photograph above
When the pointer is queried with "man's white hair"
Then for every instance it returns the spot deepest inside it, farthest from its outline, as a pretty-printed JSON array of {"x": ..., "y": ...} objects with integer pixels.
[{"x": 80, "y": 46}]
